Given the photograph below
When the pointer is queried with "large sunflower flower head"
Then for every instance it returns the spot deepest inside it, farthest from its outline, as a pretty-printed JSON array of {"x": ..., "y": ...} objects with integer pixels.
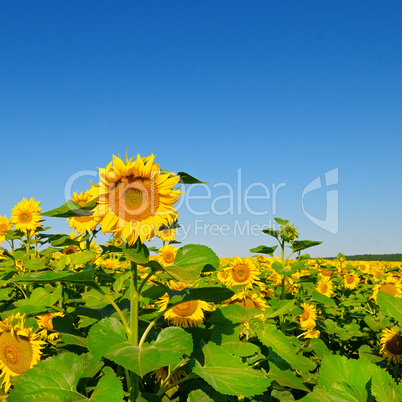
[
  {"x": 308, "y": 317},
  {"x": 241, "y": 271},
  {"x": 26, "y": 215},
  {"x": 135, "y": 199},
  {"x": 391, "y": 345},
  {"x": 187, "y": 314},
  {"x": 20, "y": 349},
  {"x": 325, "y": 286},
  {"x": 351, "y": 280},
  {"x": 84, "y": 223},
  {"x": 390, "y": 285},
  {"x": 5, "y": 225},
  {"x": 167, "y": 255}
]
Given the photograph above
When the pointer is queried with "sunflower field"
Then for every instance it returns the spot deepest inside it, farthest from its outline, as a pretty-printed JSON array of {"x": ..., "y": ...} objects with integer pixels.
[{"x": 122, "y": 321}]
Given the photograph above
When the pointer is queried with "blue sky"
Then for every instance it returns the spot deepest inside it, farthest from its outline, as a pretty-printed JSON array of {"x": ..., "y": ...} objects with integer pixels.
[{"x": 276, "y": 93}]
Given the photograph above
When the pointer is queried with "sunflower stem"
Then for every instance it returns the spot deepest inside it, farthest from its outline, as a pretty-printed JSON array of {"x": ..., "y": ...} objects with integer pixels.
[
  {"x": 133, "y": 338},
  {"x": 163, "y": 390}
]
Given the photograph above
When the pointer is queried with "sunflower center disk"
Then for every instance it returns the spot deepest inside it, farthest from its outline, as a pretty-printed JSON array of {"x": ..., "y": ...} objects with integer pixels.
[
  {"x": 168, "y": 257},
  {"x": 394, "y": 345},
  {"x": 25, "y": 217},
  {"x": 305, "y": 316},
  {"x": 186, "y": 309},
  {"x": 16, "y": 352},
  {"x": 388, "y": 288},
  {"x": 324, "y": 288},
  {"x": 241, "y": 273}
]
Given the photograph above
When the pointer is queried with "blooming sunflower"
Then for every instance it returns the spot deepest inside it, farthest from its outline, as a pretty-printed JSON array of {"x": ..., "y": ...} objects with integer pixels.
[
  {"x": 5, "y": 225},
  {"x": 351, "y": 280},
  {"x": 20, "y": 349},
  {"x": 167, "y": 234},
  {"x": 165, "y": 377},
  {"x": 185, "y": 314},
  {"x": 307, "y": 319},
  {"x": 241, "y": 271},
  {"x": 26, "y": 216},
  {"x": 390, "y": 285},
  {"x": 391, "y": 345},
  {"x": 45, "y": 322},
  {"x": 324, "y": 286},
  {"x": 312, "y": 333},
  {"x": 84, "y": 223},
  {"x": 247, "y": 299},
  {"x": 167, "y": 255},
  {"x": 135, "y": 199}
]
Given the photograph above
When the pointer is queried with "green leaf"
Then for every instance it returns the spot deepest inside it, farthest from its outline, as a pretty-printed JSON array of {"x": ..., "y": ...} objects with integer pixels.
[
  {"x": 264, "y": 250},
  {"x": 185, "y": 178},
  {"x": 390, "y": 305},
  {"x": 198, "y": 396},
  {"x": 71, "y": 209},
  {"x": 333, "y": 394},
  {"x": 227, "y": 374},
  {"x": 108, "y": 389},
  {"x": 35, "y": 264},
  {"x": 189, "y": 262},
  {"x": 299, "y": 245},
  {"x": 234, "y": 313},
  {"x": 56, "y": 379},
  {"x": 107, "y": 338},
  {"x": 82, "y": 257},
  {"x": 325, "y": 300},
  {"x": 281, "y": 222},
  {"x": 335, "y": 368},
  {"x": 81, "y": 278},
  {"x": 286, "y": 378},
  {"x": 270, "y": 336},
  {"x": 282, "y": 308},
  {"x": 138, "y": 253},
  {"x": 383, "y": 387}
]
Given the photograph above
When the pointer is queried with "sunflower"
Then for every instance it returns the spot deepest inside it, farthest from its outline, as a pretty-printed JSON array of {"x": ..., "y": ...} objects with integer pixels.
[
  {"x": 165, "y": 377},
  {"x": 185, "y": 314},
  {"x": 84, "y": 223},
  {"x": 312, "y": 333},
  {"x": 135, "y": 199},
  {"x": 247, "y": 299},
  {"x": 391, "y": 345},
  {"x": 45, "y": 322},
  {"x": 351, "y": 280},
  {"x": 5, "y": 225},
  {"x": 324, "y": 286},
  {"x": 241, "y": 271},
  {"x": 307, "y": 319},
  {"x": 167, "y": 234},
  {"x": 19, "y": 348},
  {"x": 390, "y": 285},
  {"x": 167, "y": 255},
  {"x": 288, "y": 233},
  {"x": 26, "y": 216}
]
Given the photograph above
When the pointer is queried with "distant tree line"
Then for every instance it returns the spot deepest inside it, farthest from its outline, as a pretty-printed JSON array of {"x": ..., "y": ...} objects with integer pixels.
[{"x": 372, "y": 257}]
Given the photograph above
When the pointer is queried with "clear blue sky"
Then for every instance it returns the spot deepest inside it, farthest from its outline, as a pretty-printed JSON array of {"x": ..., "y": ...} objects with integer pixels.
[{"x": 276, "y": 93}]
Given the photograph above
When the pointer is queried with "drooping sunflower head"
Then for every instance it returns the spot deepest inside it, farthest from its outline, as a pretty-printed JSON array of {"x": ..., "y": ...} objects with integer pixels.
[
  {"x": 167, "y": 234},
  {"x": 5, "y": 225},
  {"x": 241, "y": 271},
  {"x": 20, "y": 349},
  {"x": 187, "y": 314},
  {"x": 311, "y": 333},
  {"x": 135, "y": 199},
  {"x": 391, "y": 345},
  {"x": 390, "y": 285},
  {"x": 351, "y": 280},
  {"x": 247, "y": 299},
  {"x": 325, "y": 286},
  {"x": 84, "y": 223},
  {"x": 308, "y": 317},
  {"x": 26, "y": 215}
]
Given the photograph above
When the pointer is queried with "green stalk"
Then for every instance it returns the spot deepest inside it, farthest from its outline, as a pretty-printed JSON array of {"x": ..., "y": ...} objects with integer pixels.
[
  {"x": 133, "y": 338},
  {"x": 163, "y": 390}
]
